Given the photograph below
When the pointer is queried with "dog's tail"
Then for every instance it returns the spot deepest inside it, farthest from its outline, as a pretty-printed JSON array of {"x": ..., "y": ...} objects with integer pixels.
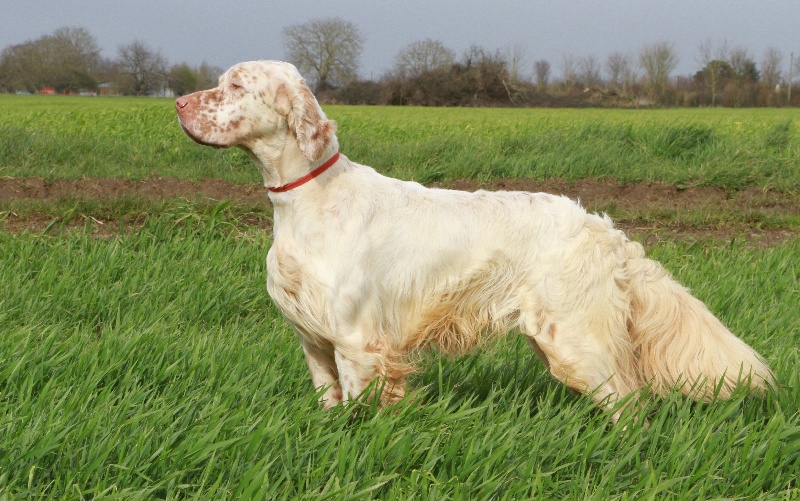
[{"x": 680, "y": 343}]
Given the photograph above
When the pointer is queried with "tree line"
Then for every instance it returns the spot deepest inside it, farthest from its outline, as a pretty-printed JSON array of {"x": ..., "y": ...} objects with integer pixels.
[
  {"x": 428, "y": 73},
  {"x": 69, "y": 61},
  {"x": 425, "y": 72}
]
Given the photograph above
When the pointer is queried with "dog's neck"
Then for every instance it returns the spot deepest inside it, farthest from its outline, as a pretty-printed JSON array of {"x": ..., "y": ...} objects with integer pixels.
[
  {"x": 281, "y": 161},
  {"x": 308, "y": 177}
]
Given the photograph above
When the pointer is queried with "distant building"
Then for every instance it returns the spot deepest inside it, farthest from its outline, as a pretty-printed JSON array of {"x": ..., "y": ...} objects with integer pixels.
[{"x": 106, "y": 89}]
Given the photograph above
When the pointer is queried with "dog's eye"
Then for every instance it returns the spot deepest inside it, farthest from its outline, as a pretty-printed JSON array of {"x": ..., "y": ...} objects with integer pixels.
[{"x": 236, "y": 86}]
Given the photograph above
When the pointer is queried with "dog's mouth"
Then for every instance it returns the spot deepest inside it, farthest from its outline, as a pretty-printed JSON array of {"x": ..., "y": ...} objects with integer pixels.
[{"x": 198, "y": 140}]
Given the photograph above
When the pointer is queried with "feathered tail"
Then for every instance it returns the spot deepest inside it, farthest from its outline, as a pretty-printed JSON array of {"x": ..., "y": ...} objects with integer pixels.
[{"x": 678, "y": 341}]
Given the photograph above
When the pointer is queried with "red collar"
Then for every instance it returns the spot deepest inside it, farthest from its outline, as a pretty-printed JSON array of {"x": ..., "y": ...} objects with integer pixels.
[{"x": 308, "y": 177}]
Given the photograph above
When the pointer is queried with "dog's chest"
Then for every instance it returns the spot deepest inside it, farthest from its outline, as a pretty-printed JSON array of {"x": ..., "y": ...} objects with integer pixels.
[{"x": 297, "y": 293}]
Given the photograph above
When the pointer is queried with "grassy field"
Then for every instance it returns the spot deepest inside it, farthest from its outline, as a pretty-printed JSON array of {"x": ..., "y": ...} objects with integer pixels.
[
  {"x": 151, "y": 364},
  {"x": 63, "y": 137}
]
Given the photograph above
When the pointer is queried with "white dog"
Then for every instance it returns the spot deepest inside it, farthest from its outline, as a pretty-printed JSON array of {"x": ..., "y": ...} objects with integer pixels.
[{"x": 371, "y": 270}]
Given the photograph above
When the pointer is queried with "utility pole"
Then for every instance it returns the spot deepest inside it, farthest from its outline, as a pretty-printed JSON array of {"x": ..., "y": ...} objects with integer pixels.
[{"x": 791, "y": 66}]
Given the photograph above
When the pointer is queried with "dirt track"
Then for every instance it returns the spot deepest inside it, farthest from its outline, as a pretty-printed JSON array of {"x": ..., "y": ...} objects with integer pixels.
[{"x": 604, "y": 195}]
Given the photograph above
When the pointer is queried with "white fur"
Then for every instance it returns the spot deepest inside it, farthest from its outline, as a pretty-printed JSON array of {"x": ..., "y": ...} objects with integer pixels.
[{"x": 371, "y": 270}]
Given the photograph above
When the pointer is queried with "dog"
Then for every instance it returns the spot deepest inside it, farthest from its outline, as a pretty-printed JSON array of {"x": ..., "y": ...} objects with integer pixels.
[{"x": 370, "y": 271}]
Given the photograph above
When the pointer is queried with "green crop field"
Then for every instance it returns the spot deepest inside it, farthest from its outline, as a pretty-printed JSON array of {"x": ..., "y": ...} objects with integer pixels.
[
  {"x": 148, "y": 362},
  {"x": 63, "y": 137}
]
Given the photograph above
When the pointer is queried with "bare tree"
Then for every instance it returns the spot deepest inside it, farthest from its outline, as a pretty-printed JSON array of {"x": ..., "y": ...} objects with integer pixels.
[
  {"x": 78, "y": 46},
  {"x": 615, "y": 65},
  {"x": 487, "y": 73},
  {"x": 541, "y": 69},
  {"x": 658, "y": 61},
  {"x": 569, "y": 70},
  {"x": 710, "y": 51},
  {"x": 514, "y": 55},
  {"x": 474, "y": 55},
  {"x": 589, "y": 71},
  {"x": 325, "y": 50},
  {"x": 144, "y": 69},
  {"x": 421, "y": 56},
  {"x": 621, "y": 71},
  {"x": 713, "y": 58},
  {"x": 771, "y": 67}
]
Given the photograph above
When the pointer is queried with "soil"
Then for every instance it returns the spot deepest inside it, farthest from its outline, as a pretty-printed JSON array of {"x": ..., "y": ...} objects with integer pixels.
[
  {"x": 155, "y": 189},
  {"x": 632, "y": 204}
]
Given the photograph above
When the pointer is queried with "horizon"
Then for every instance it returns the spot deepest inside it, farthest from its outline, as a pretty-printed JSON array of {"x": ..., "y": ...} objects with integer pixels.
[{"x": 250, "y": 30}]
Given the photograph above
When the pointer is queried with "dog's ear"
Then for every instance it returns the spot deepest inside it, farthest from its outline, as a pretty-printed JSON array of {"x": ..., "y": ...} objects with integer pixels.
[{"x": 306, "y": 120}]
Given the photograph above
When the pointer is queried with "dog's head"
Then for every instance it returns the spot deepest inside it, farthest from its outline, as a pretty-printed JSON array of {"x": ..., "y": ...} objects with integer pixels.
[{"x": 255, "y": 101}]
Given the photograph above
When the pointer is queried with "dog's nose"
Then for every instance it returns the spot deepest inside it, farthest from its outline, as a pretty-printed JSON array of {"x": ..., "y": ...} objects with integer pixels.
[{"x": 181, "y": 102}]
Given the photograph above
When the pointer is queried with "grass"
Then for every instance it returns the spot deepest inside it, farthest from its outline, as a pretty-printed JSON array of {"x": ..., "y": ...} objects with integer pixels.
[
  {"x": 725, "y": 148},
  {"x": 107, "y": 214},
  {"x": 152, "y": 364},
  {"x": 149, "y": 363},
  {"x": 62, "y": 137}
]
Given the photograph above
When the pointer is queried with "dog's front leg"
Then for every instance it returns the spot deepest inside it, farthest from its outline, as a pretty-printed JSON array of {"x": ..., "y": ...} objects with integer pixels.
[
  {"x": 356, "y": 371},
  {"x": 324, "y": 374}
]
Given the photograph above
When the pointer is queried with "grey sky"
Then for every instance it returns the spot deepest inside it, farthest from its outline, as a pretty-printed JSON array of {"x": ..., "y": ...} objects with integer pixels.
[{"x": 225, "y": 32}]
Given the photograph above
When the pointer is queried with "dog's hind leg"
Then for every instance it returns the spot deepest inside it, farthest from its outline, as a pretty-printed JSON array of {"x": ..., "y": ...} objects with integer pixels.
[{"x": 577, "y": 358}]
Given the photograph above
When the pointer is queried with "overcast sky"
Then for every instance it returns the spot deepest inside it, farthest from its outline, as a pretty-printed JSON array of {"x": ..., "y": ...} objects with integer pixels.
[{"x": 226, "y": 32}]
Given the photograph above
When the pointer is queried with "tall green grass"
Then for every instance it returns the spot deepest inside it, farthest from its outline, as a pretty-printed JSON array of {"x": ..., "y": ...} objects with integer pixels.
[
  {"x": 70, "y": 138},
  {"x": 62, "y": 137},
  {"x": 727, "y": 148},
  {"x": 152, "y": 365}
]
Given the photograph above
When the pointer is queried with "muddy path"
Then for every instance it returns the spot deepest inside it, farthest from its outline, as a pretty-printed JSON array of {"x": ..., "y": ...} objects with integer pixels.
[{"x": 640, "y": 208}]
